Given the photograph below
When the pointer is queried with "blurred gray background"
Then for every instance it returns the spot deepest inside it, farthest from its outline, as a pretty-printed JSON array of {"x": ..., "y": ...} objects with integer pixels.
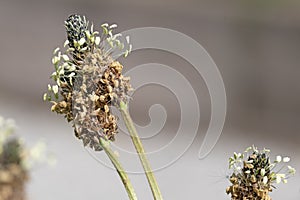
[{"x": 255, "y": 45}]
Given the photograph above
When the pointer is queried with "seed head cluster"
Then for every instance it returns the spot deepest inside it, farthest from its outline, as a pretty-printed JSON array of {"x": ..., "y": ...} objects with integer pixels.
[
  {"x": 13, "y": 175},
  {"x": 248, "y": 184},
  {"x": 253, "y": 178},
  {"x": 89, "y": 80}
]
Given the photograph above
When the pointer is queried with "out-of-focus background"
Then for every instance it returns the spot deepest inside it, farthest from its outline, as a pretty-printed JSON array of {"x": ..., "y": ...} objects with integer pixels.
[{"x": 255, "y": 45}]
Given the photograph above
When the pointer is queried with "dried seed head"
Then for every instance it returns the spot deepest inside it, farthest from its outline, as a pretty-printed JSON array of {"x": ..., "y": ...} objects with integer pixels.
[
  {"x": 254, "y": 177},
  {"x": 104, "y": 122},
  {"x": 89, "y": 80},
  {"x": 13, "y": 174}
]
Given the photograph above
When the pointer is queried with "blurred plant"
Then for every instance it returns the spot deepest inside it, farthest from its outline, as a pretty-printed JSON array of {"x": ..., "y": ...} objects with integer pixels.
[
  {"x": 16, "y": 161},
  {"x": 89, "y": 81},
  {"x": 254, "y": 175}
]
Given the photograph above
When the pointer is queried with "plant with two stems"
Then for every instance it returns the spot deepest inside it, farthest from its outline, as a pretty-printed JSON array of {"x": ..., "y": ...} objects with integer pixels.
[{"x": 89, "y": 82}]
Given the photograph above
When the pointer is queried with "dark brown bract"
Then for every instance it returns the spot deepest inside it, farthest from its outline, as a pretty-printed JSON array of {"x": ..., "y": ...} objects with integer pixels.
[{"x": 101, "y": 86}]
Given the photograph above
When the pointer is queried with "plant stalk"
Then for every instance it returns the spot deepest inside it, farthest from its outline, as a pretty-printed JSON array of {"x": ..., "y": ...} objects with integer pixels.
[
  {"x": 141, "y": 152},
  {"x": 123, "y": 175}
]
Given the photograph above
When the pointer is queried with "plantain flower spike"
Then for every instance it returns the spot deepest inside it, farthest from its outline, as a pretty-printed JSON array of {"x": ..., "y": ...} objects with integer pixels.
[
  {"x": 254, "y": 175},
  {"x": 89, "y": 80}
]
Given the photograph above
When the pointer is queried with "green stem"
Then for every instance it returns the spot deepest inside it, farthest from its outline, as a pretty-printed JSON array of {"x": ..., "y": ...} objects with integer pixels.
[
  {"x": 123, "y": 175},
  {"x": 141, "y": 152}
]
